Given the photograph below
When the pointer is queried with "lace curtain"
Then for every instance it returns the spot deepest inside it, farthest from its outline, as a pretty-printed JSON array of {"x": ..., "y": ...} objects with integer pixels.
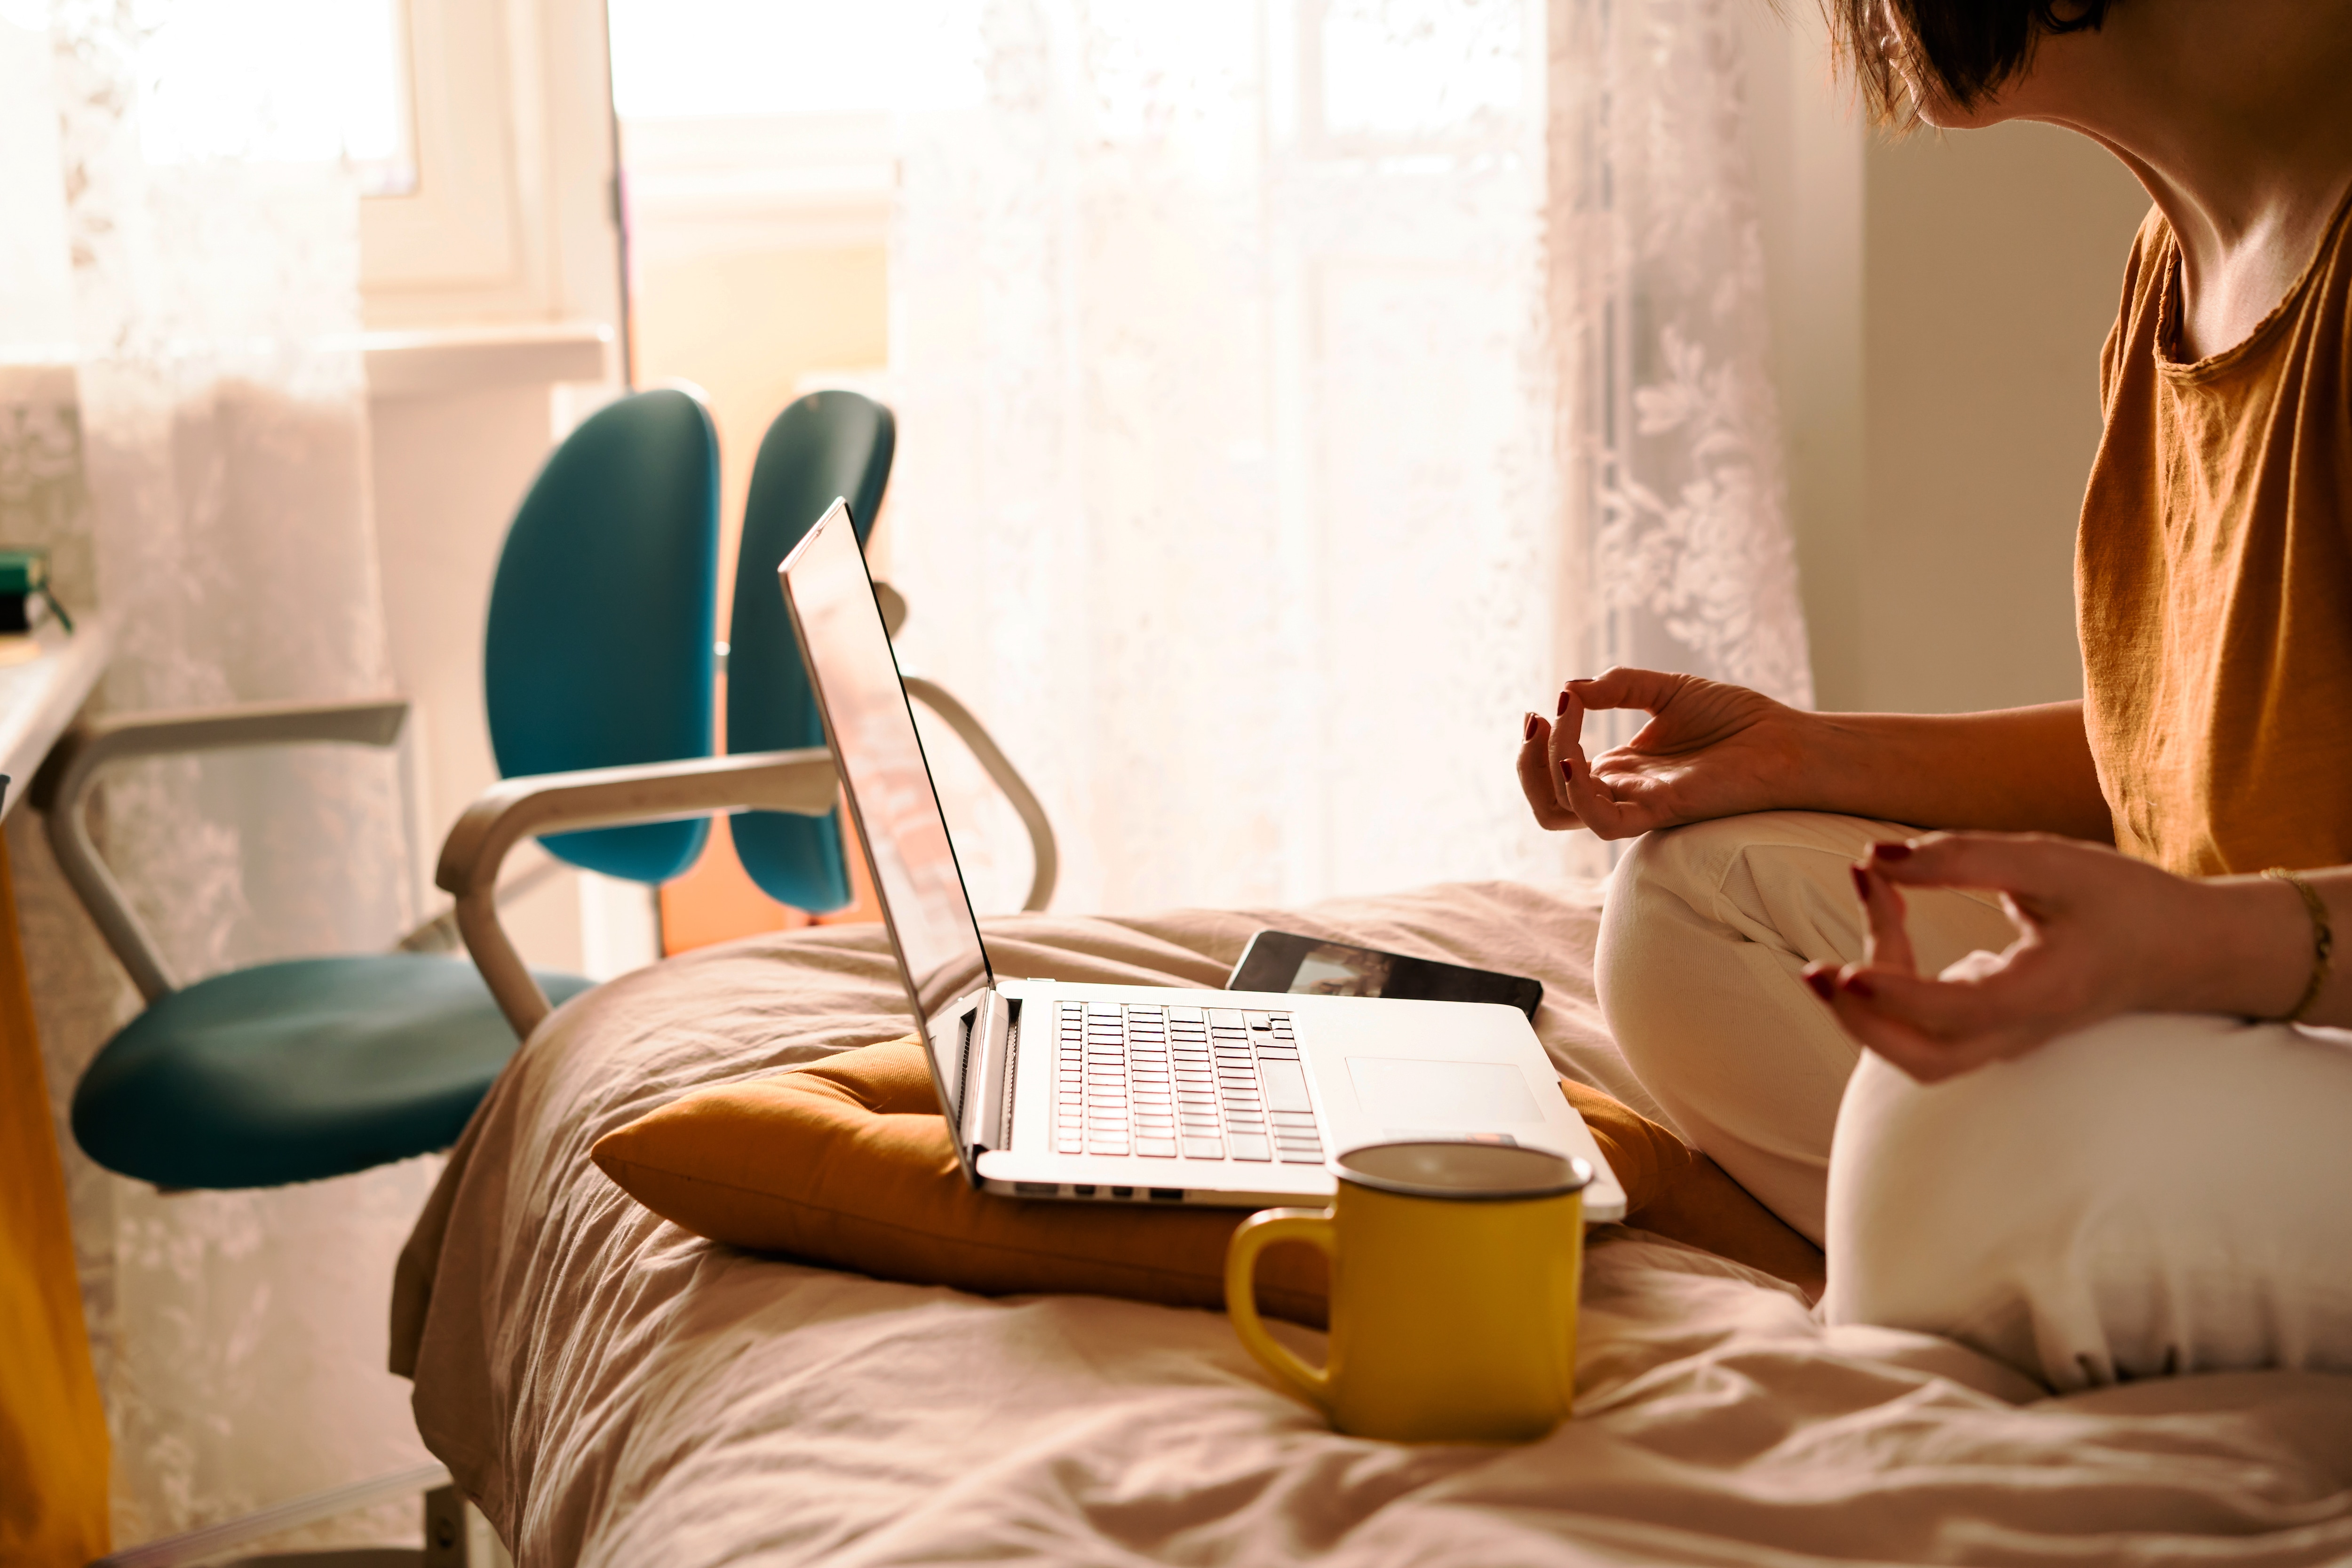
[
  {"x": 178, "y": 426},
  {"x": 1668, "y": 436},
  {"x": 1293, "y": 391},
  {"x": 1224, "y": 491}
]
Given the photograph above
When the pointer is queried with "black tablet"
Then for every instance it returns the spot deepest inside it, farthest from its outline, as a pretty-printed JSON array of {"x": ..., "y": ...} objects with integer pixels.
[{"x": 1310, "y": 966}]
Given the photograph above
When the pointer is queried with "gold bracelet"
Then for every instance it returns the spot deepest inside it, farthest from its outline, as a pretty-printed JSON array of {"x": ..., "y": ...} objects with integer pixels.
[{"x": 2323, "y": 939}]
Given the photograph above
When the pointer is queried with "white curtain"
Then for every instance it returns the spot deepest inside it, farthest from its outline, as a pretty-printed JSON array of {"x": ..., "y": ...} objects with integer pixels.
[
  {"x": 1668, "y": 435},
  {"x": 180, "y": 425},
  {"x": 1293, "y": 391}
]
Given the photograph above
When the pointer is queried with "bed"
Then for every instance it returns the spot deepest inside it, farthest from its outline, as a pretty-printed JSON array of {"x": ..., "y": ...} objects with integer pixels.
[{"x": 611, "y": 1389}]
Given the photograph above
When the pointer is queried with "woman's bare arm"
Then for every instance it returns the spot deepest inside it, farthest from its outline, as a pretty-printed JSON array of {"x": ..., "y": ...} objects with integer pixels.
[{"x": 2014, "y": 769}]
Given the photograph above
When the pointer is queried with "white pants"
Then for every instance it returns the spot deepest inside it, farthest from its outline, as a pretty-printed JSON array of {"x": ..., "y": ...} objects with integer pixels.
[{"x": 2158, "y": 1194}]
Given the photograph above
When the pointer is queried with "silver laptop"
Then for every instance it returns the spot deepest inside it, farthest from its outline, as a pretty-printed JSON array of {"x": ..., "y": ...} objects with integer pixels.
[{"x": 1134, "y": 1093}]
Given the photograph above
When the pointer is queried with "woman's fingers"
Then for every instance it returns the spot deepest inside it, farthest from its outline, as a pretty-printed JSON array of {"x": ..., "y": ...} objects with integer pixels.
[
  {"x": 1599, "y": 807},
  {"x": 1922, "y": 1056},
  {"x": 1595, "y": 804},
  {"x": 1856, "y": 997},
  {"x": 1558, "y": 781},
  {"x": 1631, "y": 804},
  {"x": 1886, "y": 942},
  {"x": 1939, "y": 1009},
  {"x": 1648, "y": 689},
  {"x": 2025, "y": 863},
  {"x": 1566, "y": 744},
  {"x": 1934, "y": 1028},
  {"x": 1538, "y": 780}
]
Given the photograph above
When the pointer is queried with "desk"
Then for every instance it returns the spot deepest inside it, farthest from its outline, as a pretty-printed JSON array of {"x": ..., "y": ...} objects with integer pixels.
[
  {"x": 53, "y": 1448},
  {"x": 40, "y": 697}
]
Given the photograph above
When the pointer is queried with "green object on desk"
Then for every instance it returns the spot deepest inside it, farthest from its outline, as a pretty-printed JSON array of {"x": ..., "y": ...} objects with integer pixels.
[
  {"x": 25, "y": 578},
  {"x": 23, "y": 569}
]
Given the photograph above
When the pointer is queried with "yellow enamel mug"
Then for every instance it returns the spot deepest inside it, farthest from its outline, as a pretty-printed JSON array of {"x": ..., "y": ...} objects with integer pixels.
[{"x": 1453, "y": 1279}]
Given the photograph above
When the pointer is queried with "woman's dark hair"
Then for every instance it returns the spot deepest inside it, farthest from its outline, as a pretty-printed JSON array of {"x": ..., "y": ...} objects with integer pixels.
[{"x": 1961, "y": 50}]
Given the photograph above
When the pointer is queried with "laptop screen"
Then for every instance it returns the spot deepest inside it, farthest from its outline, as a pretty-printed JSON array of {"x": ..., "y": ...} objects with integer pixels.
[{"x": 888, "y": 781}]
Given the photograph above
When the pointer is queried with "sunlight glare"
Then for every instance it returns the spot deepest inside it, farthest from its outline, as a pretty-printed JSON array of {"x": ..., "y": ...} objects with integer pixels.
[
  {"x": 692, "y": 59},
  {"x": 1400, "y": 69},
  {"x": 292, "y": 81}
]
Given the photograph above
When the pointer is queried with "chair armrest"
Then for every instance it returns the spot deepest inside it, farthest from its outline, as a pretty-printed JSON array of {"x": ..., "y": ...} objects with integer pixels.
[
  {"x": 800, "y": 781},
  {"x": 94, "y": 742},
  {"x": 62, "y": 788},
  {"x": 1045, "y": 854}
]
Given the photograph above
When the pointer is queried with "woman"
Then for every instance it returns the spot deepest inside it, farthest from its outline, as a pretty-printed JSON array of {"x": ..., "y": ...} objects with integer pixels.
[{"x": 2103, "y": 1124}]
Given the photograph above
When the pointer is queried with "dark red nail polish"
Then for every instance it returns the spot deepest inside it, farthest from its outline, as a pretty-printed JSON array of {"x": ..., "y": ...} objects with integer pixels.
[
  {"x": 1564, "y": 695},
  {"x": 1859, "y": 987},
  {"x": 1824, "y": 985},
  {"x": 1531, "y": 729},
  {"x": 1566, "y": 769},
  {"x": 1860, "y": 882},
  {"x": 1892, "y": 851}
]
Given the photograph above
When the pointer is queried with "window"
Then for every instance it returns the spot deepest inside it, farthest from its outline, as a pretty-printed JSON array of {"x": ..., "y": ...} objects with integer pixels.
[{"x": 282, "y": 81}]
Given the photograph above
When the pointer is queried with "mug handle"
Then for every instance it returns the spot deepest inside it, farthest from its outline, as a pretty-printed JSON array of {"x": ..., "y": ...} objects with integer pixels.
[{"x": 1256, "y": 1234}]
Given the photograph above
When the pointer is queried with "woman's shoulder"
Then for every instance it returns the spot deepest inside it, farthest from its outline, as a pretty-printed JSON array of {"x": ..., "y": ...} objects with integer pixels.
[{"x": 2138, "y": 313}]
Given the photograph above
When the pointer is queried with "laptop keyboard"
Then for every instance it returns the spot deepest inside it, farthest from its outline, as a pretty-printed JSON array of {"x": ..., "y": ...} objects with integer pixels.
[{"x": 1159, "y": 1082}]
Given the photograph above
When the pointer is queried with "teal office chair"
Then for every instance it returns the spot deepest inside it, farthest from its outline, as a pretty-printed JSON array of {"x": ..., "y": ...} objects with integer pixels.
[
  {"x": 825, "y": 444},
  {"x": 778, "y": 775},
  {"x": 828, "y": 444},
  {"x": 597, "y": 654},
  {"x": 598, "y": 650}
]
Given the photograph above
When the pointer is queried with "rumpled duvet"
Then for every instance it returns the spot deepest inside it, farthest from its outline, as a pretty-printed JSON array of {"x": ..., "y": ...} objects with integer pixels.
[{"x": 613, "y": 1390}]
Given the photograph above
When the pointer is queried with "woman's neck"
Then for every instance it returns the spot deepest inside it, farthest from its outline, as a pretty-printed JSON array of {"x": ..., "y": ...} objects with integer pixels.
[{"x": 2236, "y": 115}]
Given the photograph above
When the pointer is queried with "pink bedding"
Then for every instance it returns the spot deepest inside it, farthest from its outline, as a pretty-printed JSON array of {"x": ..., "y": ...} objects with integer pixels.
[{"x": 614, "y": 1391}]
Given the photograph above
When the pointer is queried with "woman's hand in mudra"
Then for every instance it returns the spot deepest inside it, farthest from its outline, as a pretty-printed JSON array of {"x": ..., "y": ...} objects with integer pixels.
[
  {"x": 2099, "y": 934},
  {"x": 1709, "y": 750}
]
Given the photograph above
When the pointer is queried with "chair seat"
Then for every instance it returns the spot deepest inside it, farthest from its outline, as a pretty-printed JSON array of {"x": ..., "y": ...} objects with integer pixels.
[{"x": 295, "y": 1071}]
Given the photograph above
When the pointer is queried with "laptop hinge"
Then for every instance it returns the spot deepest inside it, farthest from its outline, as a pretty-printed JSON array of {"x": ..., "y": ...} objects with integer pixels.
[
  {"x": 984, "y": 1120},
  {"x": 1009, "y": 1075}
]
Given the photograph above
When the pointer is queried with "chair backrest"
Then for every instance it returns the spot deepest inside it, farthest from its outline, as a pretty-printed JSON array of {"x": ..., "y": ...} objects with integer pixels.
[
  {"x": 599, "y": 648},
  {"x": 825, "y": 444}
]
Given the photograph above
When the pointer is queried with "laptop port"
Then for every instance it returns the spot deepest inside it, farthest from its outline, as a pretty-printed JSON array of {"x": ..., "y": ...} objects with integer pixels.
[
  {"x": 1037, "y": 1189},
  {"x": 1084, "y": 1190},
  {"x": 1122, "y": 1192},
  {"x": 1167, "y": 1195}
]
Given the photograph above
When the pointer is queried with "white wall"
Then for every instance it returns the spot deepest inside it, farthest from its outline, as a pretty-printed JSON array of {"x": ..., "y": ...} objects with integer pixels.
[
  {"x": 450, "y": 467},
  {"x": 1939, "y": 305},
  {"x": 1993, "y": 266}
]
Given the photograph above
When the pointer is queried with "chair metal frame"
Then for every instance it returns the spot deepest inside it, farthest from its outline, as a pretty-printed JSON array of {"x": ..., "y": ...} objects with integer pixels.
[
  {"x": 60, "y": 794},
  {"x": 61, "y": 790}
]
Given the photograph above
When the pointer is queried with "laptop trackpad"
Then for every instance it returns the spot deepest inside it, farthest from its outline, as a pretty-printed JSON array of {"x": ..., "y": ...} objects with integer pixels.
[{"x": 1459, "y": 1097}]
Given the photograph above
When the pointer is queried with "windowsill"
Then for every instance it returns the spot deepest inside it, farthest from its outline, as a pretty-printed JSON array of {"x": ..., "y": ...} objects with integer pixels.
[{"x": 463, "y": 359}]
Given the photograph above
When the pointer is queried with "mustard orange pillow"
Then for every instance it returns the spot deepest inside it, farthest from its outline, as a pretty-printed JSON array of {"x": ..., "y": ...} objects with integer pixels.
[{"x": 847, "y": 1163}]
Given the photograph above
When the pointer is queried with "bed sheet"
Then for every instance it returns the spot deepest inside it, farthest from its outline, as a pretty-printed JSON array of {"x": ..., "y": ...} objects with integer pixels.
[{"x": 612, "y": 1390}]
